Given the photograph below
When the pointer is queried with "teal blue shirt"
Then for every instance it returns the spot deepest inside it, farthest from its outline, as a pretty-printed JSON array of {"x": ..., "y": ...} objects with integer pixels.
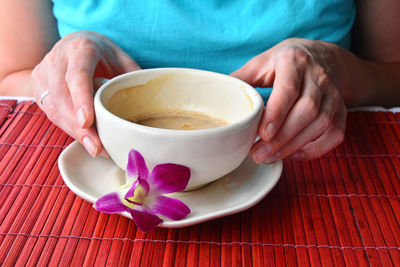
[{"x": 216, "y": 35}]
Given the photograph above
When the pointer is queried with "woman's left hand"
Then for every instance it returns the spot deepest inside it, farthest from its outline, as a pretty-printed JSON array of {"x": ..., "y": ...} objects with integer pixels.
[{"x": 305, "y": 115}]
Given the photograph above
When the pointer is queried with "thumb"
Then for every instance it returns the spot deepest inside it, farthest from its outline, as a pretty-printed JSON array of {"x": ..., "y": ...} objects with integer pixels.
[
  {"x": 258, "y": 72},
  {"x": 126, "y": 63},
  {"x": 119, "y": 63}
]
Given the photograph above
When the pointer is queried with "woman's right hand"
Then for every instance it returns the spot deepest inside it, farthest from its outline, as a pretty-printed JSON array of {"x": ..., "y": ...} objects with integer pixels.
[{"x": 67, "y": 72}]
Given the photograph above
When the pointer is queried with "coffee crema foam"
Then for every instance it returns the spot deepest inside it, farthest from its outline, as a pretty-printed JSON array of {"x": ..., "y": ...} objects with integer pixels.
[{"x": 180, "y": 120}]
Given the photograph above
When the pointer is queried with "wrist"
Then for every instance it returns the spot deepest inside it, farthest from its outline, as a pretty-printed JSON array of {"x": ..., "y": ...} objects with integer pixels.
[{"x": 355, "y": 76}]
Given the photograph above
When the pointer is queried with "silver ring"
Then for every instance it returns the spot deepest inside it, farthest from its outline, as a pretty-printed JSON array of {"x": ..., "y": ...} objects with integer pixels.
[{"x": 43, "y": 96}]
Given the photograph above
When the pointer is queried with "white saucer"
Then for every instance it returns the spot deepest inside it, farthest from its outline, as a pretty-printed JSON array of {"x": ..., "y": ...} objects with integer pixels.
[{"x": 91, "y": 178}]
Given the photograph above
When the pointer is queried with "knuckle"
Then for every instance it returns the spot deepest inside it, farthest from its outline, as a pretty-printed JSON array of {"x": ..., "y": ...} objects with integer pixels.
[
  {"x": 89, "y": 46},
  {"x": 69, "y": 76},
  {"x": 336, "y": 94},
  {"x": 286, "y": 54},
  {"x": 81, "y": 42},
  {"x": 73, "y": 73},
  {"x": 295, "y": 53},
  {"x": 324, "y": 121},
  {"x": 290, "y": 40},
  {"x": 323, "y": 77},
  {"x": 302, "y": 57},
  {"x": 311, "y": 107},
  {"x": 291, "y": 89},
  {"x": 52, "y": 57}
]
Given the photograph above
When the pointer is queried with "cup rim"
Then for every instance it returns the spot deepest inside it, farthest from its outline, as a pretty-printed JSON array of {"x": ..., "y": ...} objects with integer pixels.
[{"x": 255, "y": 97}]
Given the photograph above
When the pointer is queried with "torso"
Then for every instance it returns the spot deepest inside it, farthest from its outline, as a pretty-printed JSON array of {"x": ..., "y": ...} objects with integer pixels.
[{"x": 217, "y": 35}]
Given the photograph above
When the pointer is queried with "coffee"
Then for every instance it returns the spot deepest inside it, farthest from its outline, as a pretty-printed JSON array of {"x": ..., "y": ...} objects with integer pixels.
[{"x": 181, "y": 120}]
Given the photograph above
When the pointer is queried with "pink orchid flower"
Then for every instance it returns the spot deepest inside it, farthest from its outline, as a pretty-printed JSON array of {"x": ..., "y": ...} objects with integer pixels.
[{"x": 143, "y": 193}]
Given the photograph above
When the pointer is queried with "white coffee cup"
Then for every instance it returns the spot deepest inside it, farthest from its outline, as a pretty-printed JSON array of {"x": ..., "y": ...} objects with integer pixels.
[{"x": 209, "y": 153}]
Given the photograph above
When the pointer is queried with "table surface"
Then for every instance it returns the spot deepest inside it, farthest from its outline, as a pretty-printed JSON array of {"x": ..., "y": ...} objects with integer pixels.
[{"x": 340, "y": 209}]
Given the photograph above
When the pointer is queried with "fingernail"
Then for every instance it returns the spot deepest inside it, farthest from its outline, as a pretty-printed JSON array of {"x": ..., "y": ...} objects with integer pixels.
[
  {"x": 81, "y": 117},
  {"x": 298, "y": 156},
  {"x": 104, "y": 154},
  {"x": 89, "y": 145},
  {"x": 273, "y": 158},
  {"x": 262, "y": 152},
  {"x": 270, "y": 130}
]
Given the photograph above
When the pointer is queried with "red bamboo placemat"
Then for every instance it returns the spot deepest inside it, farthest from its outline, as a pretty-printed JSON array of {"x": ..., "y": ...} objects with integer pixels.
[{"x": 341, "y": 209}]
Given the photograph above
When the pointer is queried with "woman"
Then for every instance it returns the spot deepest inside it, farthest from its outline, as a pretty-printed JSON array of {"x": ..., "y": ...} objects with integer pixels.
[{"x": 301, "y": 48}]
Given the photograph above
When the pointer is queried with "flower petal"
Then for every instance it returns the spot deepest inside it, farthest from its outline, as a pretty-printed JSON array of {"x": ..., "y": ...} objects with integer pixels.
[
  {"x": 144, "y": 219},
  {"x": 136, "y": 166},
  {"x": 168, "y": 178},
  {"x": 139, "y": 182},
  {"x": 110, "y": 203},
  {"x": 131, "y": 191},
  {"x": 171, "y": 208}
]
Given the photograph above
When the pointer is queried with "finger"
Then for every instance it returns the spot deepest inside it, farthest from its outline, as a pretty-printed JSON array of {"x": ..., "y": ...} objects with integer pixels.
[
  {"x": 115, "y": 63},
  {"x": 58, "y": 103},
  {"x": 54, "y": 69},
  {"x": 46, "y": 77},
  {"x": 90, "y": 140},
  {"x": 258, "y": 71},
  {"x": 119, "y": 61},
  {"x": 126, "y": 63},
  {"x": 287, "y": 85},
  {"x": 304, "y": 111},
  {"x": 330, "y": 139},
  {"x": 259, "y": 149},
  {"x": 64, "y": 117},
  {"x": 79, "y": 77},
  {"x": 312, "y": 131},
  {"x": 88, "y": 137}
]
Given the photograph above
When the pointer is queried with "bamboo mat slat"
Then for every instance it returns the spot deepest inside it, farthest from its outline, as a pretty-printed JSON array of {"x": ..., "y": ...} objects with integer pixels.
[{"x": 341, "y": 209}]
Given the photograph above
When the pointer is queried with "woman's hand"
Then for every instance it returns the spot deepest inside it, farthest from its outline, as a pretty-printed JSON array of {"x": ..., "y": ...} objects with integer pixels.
[
  {"x": 67, "y": 72},
  {"x": 305, "y": 115}
]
